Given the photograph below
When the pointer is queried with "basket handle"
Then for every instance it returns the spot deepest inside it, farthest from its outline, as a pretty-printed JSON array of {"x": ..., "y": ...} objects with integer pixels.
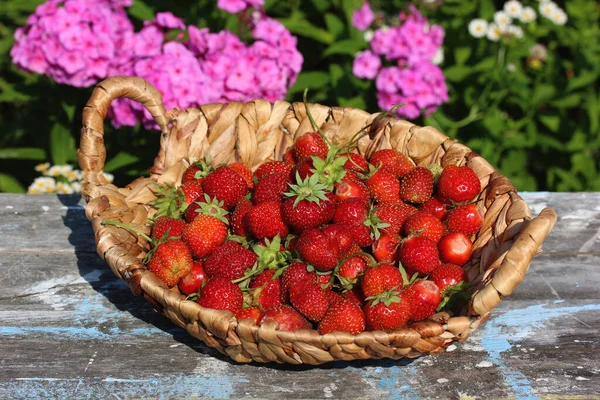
[
  {"x": 92, "y": 152},
  {"x": 514, "y": 266}
]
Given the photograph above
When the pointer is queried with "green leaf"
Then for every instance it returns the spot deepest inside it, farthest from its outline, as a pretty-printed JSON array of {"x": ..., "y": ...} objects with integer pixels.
[
  {"x": 581, "y": 80},
  {"x": 461, "y": 54},
  {"x": 354, "y": 102},
  {"x": 336, "y": 73},
  {"x": 552, "y": 122},
  {"x": 62, "y": 145},
  {"x": 121, "y": 160},
  {"x": 349, "y": 47},
  {"x": 334, "y": 24},
  {"x": 311, "y": 80},
  {"x": 10, "y": 184},
  {"x": 457, "y": 73},
  {"x": 141, "y": 10},
  {"x": 23, "y": 153},
  {"x": 542, "y": 93},
  {"x": 487, "y": 64},
  {"x": 69, "y": 110},
  {"x": 302, "y": 27},
  {"x": 569, "y": 101}
]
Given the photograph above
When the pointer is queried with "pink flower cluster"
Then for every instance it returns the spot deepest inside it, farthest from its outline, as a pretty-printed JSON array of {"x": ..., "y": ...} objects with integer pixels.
[
  {"x": 209, "y": 67},
  {"x": 235, "y": 6},
  {"x": 75, "y": 42},
  {"x": 410, "y": 76}
]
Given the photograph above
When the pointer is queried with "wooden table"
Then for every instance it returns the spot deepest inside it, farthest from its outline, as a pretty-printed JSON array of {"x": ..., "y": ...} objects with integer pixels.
[{"x": 70, "y": 329}]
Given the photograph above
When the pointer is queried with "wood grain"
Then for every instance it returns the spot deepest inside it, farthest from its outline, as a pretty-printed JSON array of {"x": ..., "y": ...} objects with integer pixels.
[{"x": 70, "y": 329}]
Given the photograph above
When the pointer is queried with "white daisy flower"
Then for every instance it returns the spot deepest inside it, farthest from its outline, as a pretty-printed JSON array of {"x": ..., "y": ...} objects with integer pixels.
[
  {"x": 438, "y": 57},
  {"x": 515, "y": 31},
  {"x": 54, "y": 170},
  {"x": 109, "y": 177},
  {"x": 478, "y": 28},
  {"x": 65, "y": 169},
  {"x": 493, "y": 32},
  {"x": 42, "y": 167},
  {"x": 64, "y": 188},
  {"x": 528, "y": 15},
  {"x": 42, "y": 184},
  {"x": 76, "y": 186},
  {"x": 559, "y": 17},
  {"x": 513, "y": 8},
  {"x": 538, "y": 51},
  {"x": 502, "y": 19},
  {"x": 73, "y": 175},
  {"x": 547, "y": 8}
]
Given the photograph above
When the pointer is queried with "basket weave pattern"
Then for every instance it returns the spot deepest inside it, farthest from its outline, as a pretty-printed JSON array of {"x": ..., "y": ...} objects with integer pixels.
[{"x": 258, "y": 131}]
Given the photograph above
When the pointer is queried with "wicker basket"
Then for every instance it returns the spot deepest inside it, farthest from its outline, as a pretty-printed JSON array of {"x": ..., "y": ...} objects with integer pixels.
[{"x": 258, "y": 131}]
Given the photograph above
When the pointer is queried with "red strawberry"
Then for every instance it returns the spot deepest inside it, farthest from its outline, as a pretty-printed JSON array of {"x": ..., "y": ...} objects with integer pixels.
[
  {"x": 393, "y": 162},
  {"x": 425, "y": 224},
  {"x": 351, "y": 190},
  {"x": 419, "y": 254},
  {"x": 265, "y": 220},
  {"x": 165, "y": 224},
  {"x": 204, "y": 234},
  {"x": 447, "y": 275},
  {"x": 310, "y": 144},
  {"x": 455, "y": 248},
  {"x": 388, "y": 311},
  {"x": 343, "y": 316},
  {"x": 435, "y": 207},
  {"x": 192, "y": 190},
  {"x": 424, "y": 298},
  {"x": 340, "y": 236},
  {"x": 289, "y": 157},
  {"x": 310, "y": 299},
  {"x": 220, "y": 294},
  {"x": 417, "y": 185},
  {"x": 171, "y": 261},
  {"x": 385, "y": 248},
  {"x": 395, "y": 215},
  {"x": 354, "y": 215},
  {"x": 192, "y": 282},
  {"x": 355, "y": 296},
  {"x": 466, "y": 219},
  {"x": 207, "y": 206},
  {"x": 271, "y": 188},
  {"x": 229, "y": 260},
  {"x": 305, "y": 168},
  {"x": 226, "y": 185},
  {"x": 380, "y": 278},
  {"x": 458, "y": 184},
  {"x": 332, "y": 297},
  {"x": 267, "y": 291},
  {"x": 197, "y": 171},
  {"x": 355, "y": 162},
  {"x": 253, "y": 313},
  {"x": 239, "y": 222},
  {"x": 384, "y": 187},
  {"x": 286, "y": 317},
  {"x": 273, "y": 166},
  {"x": 244, "y": 172},
  {"x": 350, "y": 270},
  {"x": 294, "y": 273},
  {"x": 308, "y": 205},
  {"x": 316, "y": 248}
]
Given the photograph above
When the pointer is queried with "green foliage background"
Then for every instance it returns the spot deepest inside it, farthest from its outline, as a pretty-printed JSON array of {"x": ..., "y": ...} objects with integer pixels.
[{"x": 540, "y": 127}]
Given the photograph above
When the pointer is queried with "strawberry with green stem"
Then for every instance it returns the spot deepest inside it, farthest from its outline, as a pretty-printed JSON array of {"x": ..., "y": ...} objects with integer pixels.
[
  {"x": 197, "y": 170},
  {"x": 387, "y": 311},
  {"x": 308, "y": 205},
  {"x": 207, "y": 206}
]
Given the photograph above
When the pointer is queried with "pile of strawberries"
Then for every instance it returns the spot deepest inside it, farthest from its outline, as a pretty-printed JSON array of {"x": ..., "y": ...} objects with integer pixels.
[{"x": 324, "y": 239}]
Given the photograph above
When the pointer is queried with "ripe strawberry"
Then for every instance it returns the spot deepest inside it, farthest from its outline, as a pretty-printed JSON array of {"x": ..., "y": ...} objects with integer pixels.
[
  {"x": 458, "y": 184},
  {"x": 265, "y": 220},
  {"x": 273, "y": 166},
  {"x": 266, "y": 290},
  {"x": 356, "y": 162},
  {"x": 351, "y": 190},
  {"x": 207, "y": 206},
  {"x": 354, "y": 215},
  {"x": 310, "y": 144},
  {"x": 226, "y": 185},
  {"x": 171, "y": 261},
  {"x": 384, "y": 187},
  {"x": 380, "y": 278},
  {"x": 204, "y": 234},
  {"x": 455, "y": 248},
  {"x": 385, "y": 249},
  {"x": 332, "y": 297},
  {"x": 294, "y": 273},
  {"x": 424, "y": 298},
  {"x": 466, "y": 219},
  {"x": 305, "y": 167},
  {"x": 355, "y": 296},
  {"x": 244, "y": 172},
  {"x": 286, "y": 317},
  {"x": 309, "y": 299},
  {"x": 417, "y": 185},
  {"x": 395, "y": 215},
  {"x": 340, "y": 236},
  {"x": 165, "y": 224},
  {"x": 192, "y": 282},
  {"x": 289, "y": 157},
  {"x": 229, "y": 260},
  {"x": 308, "y": 205},
  {"x": 316, "y": 248},
  {"x": 239, "y": 222},
  {"x": 435, "y": 207},
  {"x": 447, "y": 275},
  {"x": 419, "y": 254},
  {"x": 271, "y": 188},
  {"x": 388, "y": 311},
  {"x": 253, "y": 313},
  {"x": 192, "y": 190},
  {"x": 220, "y": 294},
  {"x": 343, "y": 316},
  {"x": 350, "y": 270},
  {"x": 393, "y": 162},
  {"x": 197, "y": 171},
  {"x": 425, "y": 224}
]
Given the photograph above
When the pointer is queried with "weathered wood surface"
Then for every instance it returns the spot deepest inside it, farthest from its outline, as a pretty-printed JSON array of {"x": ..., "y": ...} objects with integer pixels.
[{"x": 70, "y": 329}]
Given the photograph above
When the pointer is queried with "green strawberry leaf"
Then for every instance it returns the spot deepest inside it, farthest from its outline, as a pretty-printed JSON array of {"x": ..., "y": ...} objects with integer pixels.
[{"x": 454, "y": 295}]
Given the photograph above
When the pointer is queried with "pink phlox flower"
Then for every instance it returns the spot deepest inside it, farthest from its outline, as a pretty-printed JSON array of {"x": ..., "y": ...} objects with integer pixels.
[
  {"x": 387, "y": 80},
  {"x": 363, "y": 17},
  {"x": 231, "y": 6},
  {"x": 366, "y": 65},
  {"x": 169, "y": 20},
  {"x": 268, "y": 30}
]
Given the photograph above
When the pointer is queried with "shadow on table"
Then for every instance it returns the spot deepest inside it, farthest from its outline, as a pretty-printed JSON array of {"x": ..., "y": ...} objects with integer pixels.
[{"x": 119, "y": 294}]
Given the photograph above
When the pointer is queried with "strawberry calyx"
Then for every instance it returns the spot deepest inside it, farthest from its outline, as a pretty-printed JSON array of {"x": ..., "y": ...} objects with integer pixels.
[
  {"x": 271, "y": 256},
  {"x": 454, "y": 295},
  {"x": 170, "y": 201},
  {"x": 309, "y": 189},
  {"x": 204, "y": 167},
  {"x": 375, "y": 223},
  {"x": 348, "y": 283},
  {"x": 331, "y": 170},
  {"x": 213, "y": 208},
  {"x": 387, "y": 297},
  {"x": 405, "y": 279}
]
